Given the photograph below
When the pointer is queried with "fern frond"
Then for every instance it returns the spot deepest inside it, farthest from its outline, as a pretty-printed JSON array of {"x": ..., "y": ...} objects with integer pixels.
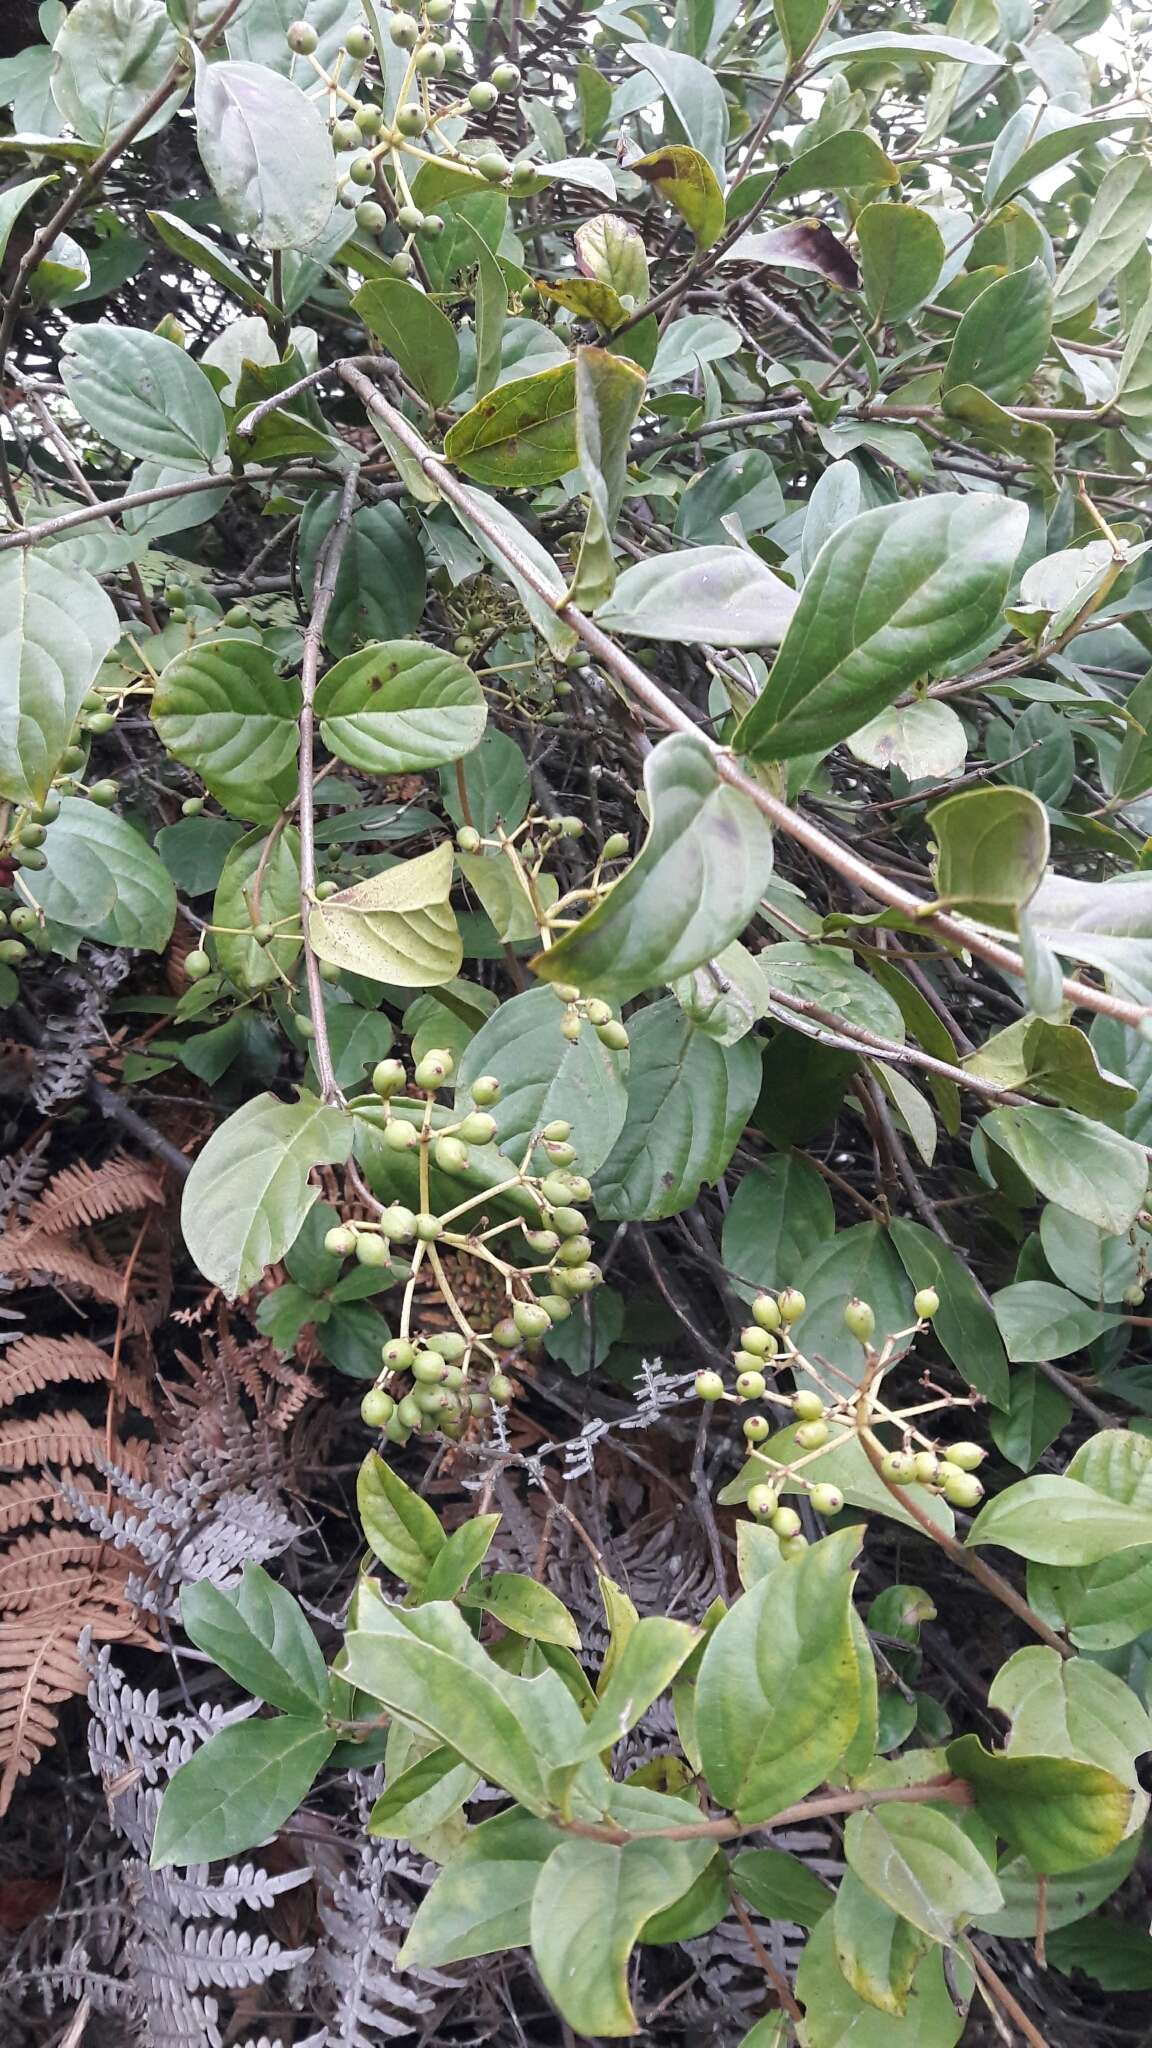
[
  {"x": 61, "y": 1438},
  {"x": 83, "y": 1194},
  {"x": 38, "y": 1498},
  {"x": 37, "y": 1571},
  {"x": 32, "y": 1363},
  {"x": 39, "y": 1669}
]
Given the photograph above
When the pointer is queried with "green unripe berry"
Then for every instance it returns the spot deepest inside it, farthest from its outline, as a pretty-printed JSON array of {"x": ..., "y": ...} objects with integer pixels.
[
  {"x": 237, "y": 615},
  {"x": 197, "y": 964},
  {"x": 463, "y": 644},
  {"x": 349, "y": 196},
  {"x": 785, "y": 1523},
  {"x": 963, "y": 1489},
  {"x": 598, "y": 1012},
  {"x": 492, "y": 166},
  {"x": 468, "y": 839},
  {"x": 440, "y": 10},
  {"x": 449, "y": 1343},
  {"x": 569, "y": 1222},
  {"x": 558, "y": 1152},
  {"x": 401, "y": 1137},
  {"x": 358, "y": 43},
  {"x": 709, "y": 1386},
  {"x": 377, "y": 1408},
  {"x": 32, "y": 857},
  {"x": 485, "y": 1090},
  {"x": 12, "y": 953},
  {"x": 302, "y": 38},
  {"x": 756, "y": 1428},
  {"x": 387, "y": 1076},
  {"x": 747, "y": 1361},
  {"x": 811, "y": 1435},
  {"x": 763, "y": 1502},
  {"x": 558, "y": 1131},
  {"x": 792, "y": 1546},
  {"x": 571, "y": 1026},
  {"x": 369, "y": 120},
  {"x": 826, "y": 1499},
  {"x": 404, "y": 31},
  {"x": 346, "y": 135},
  {"x": 967, "y": 1456},
  {"x": 761, "y": 1342},
  {"x": 899, "y": 1466},
  {"x": 371, "y": 1249},
  {"x": 556, "y": 1192},
  {"x": 613, "y": 1035},
  {"x": 530, "y": 299},
  {"x": 505, "y": 1335},
  {"x": 579, "y": 1187},
  {"x": 428, "y": 1368},
  {"x": 531, "y": 1318},
  {"x": 262, "y": 934},
  {"x": 370, "y": 216},
  {"x": 751, "y": 1386},
  {"x": 482, "y": 97},
  {"x": 571, "y": 827},
  {"x": 398, "y": 1222},
  {"x": 926, "y": 1304},
  {"x": 435, "y": 1401},
  {"x": 616, "y": 846},
  {"x": 477, "y": 1128},
  {"x": 558, "y": 1308},
  {"x": 860, "y": 1319},
  {"x": 454, "y": 1377},
  {"x": 501, "y": 1389},
  {"x": 433, "y": 225},
  {"x": 362, "y": 170},
  {"x": 103, "y": 793},
  {"x": 47, "y": 812},
  {"x": 23, "y": 918},
  {"x": 409, "y": 1413},
  {"x": 100, "y": 722},
  {"x": 807, "y": 1406},
  {"x": 328, "y": 970},
  {"x": 398, "y": 1354},
  {"x": 73, "y": 757},
  {"x": 927, "y": 1467},
  {"x": 791, "y": 1304},
  {"x": 565, "y": 991},
  {"x": 505, "y": 77},
  {"x": 396, "y": 1432},
  {"x": 430, "y": 61},
  {"x": 428, "y": 1227},
  {"x": 305, "y": 1028},
  {"x": 575, "y": 1251},
  {"x": 410, "y": 119},
  {"x": 32, "y": 834},
  {"x": 340, "y": 1241},
  {"x": 767, "y": 1312},
  {"x": 451, "y": 1156},
  {"x": 326, "y": 889},
  {"x": 582, "y": 1279},
  {"x": 434, "y": 1069}
]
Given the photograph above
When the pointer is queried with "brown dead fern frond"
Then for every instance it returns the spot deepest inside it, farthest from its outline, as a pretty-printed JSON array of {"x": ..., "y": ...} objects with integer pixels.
[
  {"x": 81, "y": 1195},
  {"x": 33, "y": 1363}
]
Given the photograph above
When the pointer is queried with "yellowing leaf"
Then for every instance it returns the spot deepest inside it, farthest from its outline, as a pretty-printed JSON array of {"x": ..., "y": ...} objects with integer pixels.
[{"x": 398, "y": 926}]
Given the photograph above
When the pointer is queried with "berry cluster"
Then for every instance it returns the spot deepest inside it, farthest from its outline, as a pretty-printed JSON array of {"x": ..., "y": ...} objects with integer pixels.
[{"x": 825, "y": 1420}]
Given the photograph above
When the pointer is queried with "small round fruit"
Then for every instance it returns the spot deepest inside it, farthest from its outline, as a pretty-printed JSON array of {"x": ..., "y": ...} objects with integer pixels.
[
  {"x": 571, "y": 1025},
  {"x": 401, "y": 1137},
  {"x": 197, "y": 964},
  {"x": 477, "y": 1128},
  {"x": 558, "y": 1152},
  {"x": 433, "y": 225},
  {"x": 328, "y": 970},
  {"x": 428, "y": 1368},
  {"x": 505, "y": 77},
  {"x": 747, "y": 1361},
  {"x": 709, "y": 1386},
  {"x": 582, "y": 1279},
  {"x": 531, "y": 1319},
  {"x": 451, "y": 1156},
  {"x": 927, "y": 1467},
  {"x": 192, "y": 807},
  {"x": 435, "y": 1068},
  {"x": 398, "y": 1354},
  {"x": 361, "y": 169},
  {"x": 100, "y": 722},
  {"x": 370, "y": 216},
  {"x": 541, "y": 1243},
  {"x": 826, "y": 1499},
  {"x": 12, "y": 953},
  {"x": 410, "y": 119},
  {"x": 435, "y": 1401},
  {"x": 967, "y": 1456},
  {"x": 468, "y": 839},
  {"x": 305, "y": 1028},
  {"x": 492, "y": 166},
  {"x": 428, "y": 1227},
  {"x": 23, "y": 918},
  {"x": 786, "y": 1523},
  {"x": 404, "y": 30},
  {"x": 569, "y": 1222},
  {"x": 377, "y": 1408},
  {"x": 440, "y": 10},
  {"x": 575, "y": 1251},
  {"x": 751, "y": 1386},
  {"x": 860, "y": 1319},
  {"x": 558, "y": 1309},
  {"x": 369, "y": 120},
  {"x": 926, "y": 1304},
  {"x": 237, "y": 615},
  {"x": 792, "y": 1547},
  {"x": 598, "y": 1012},
  {"x": 430, "y": 60},
  {"x": 340, "y": 1241},
  {"x": 807, "y": 1405},
  {"x": 963, "y": 1490},
  {"x": 409, "y": 1412},
  {"x": 73, "y": 757},
  {"x": 579, "y": 1188},
  {"x": 482, "y": 97},
  {"x": 326, "y": 889},
  {"x": 463, "y": 644},
  {"x": 449, "y": 1343},
  {"x": 358, "y": 43},
  {"x": 388, "y": 1076},
  {"x": 371, "y": 1250},
  {"x": 501, "y": 1389},
  {"x": 762, "y": 1342},
  {"x": 485, "y": 1090},
  {"x": 791, "y": 1304},
  {"x": 899, "y": 1466},
  {"x": 504, "y": 1334},
  {"x": 616, "y": 846},
  {"x": 103, "y": 793},
  {"x": 763, "y": 1502},
  {"x": 47, "y": 812},
  {"x": 811, "y": 1436},
  {"x": 302, "y": 38},
  {"x": 32, "y": 857},
  {"x": 756, "y": 1428},
  {"x": 346, "y": 135},
  {"x": 559, "y": 1130},
  {"x": 396, "y": 1432},
  {"x": 766, "y": 1313},
  {"x": 613, "y": 1035}
]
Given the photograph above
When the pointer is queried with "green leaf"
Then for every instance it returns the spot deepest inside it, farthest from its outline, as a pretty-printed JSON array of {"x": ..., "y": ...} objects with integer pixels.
[
  {"x": 799, "y": 22},
  {"x": 1032, "y": 1902},
  {"x": 108, "y": 60},
  {"x": 491, "y": 302},
  {"x": 780, "y": 1887},
  {"x": 688, "y": 1102},
  {"x": 1058, "y": 1520},
  {"x": 1058, "y": 1812},
  {"x": 1004, "y": 335},
  {"x": 654, "y": 1651},
  {"x": 239, "y": 1788},
  {"x": 893, "y": 594},
  {"x": 1036, "y": 1412},
  {"x": 859, "y": 1261},
  {"x": 901, "y": 252},
  {"x": 457, "y": 1559},
  {"x": 835, "y": 2015},
  {"x": 423, "y": 1797},
  {"x": 922, "y": 739},
  {"x": 876, "y": 1949},
  {"x": 1033, "y": 140},
  {"x": 544, "y": 1076},
  {"x": 248, "y": 1193},
  {"x": 1069, "y": 1707},
  {"x": 828, "y": 975},
  {"x": 1040, "y": 1321},
  {"x": 612, "y": 251},
  {"x": 1114, "y": 1954},
  {"x": 237, "y": 907},
  {"x": 741, "y": 487},
  {"x": 1132, "y": 775},
  {"x": 842, "y": 1464},
  {"x": 497, "y": 784},
  {"x": 688, "y": 182},
  {"x": 481, "y": 1901},
  {"x": 265, "y": 146},
  {"x": 400, "y": 707},
  {"x": 1109, "y": 1603},
  {"x": 400, "y": 1528},
  {"x": 779, "y": 1214},
  {"x": 398, "y": 926},
  {"x": 1056, "y": 1060},
  {"x": 194, "y": 851},
  {"x": 695, "y": 96},
  {"x": 1027, "y": 440},
  {"x": 144, "y": 395},
  {"x": 691, "y": 889},
  {"x": 721, "y": 594},
  {"x": 528, "y": 1609},
  {"x": 589, "y": 1908},
  {"x": 778, "y": 1694},
  {"x": 489, "y": 512},
  {"x": 522, "y": 434},
  {"x": 923, "y": 1866},
  {"x": 58, "y": 627},
  {"x": 992, "y": 852},
  {"x": 258, "y": 1634},
  {"x": 1070, "y": 1159},
  {"x": 414, "y": 331},
  {"x": 186, "y": 241},
  {"x": 838, "y": 163},
  {"x": 964, "y": 1323},
  {"x": 380, "y": 585},
  {"x": 1115, "y": 228},
  {"x": 892, "y": 43},
  {"x": 259, "y": 34},
  {"x": 103, "y": 879},
  {"x": 12, "y": 204},
  {"x": 609, "y": 390},
  {"x": 225, "y": 712}
]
